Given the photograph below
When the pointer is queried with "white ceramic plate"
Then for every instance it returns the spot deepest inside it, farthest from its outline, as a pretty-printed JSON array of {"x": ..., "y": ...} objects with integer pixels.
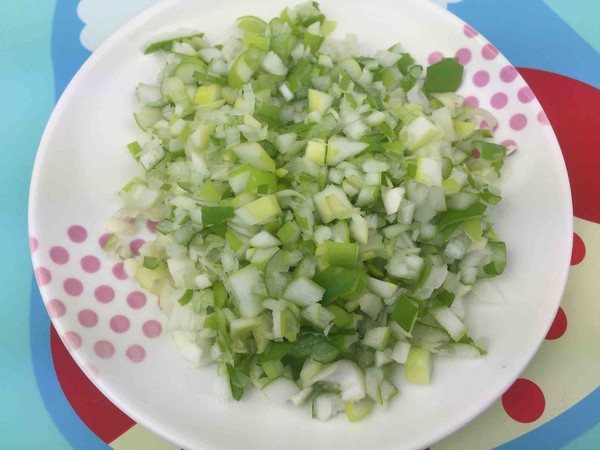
[{"x": 114, "y": 332}]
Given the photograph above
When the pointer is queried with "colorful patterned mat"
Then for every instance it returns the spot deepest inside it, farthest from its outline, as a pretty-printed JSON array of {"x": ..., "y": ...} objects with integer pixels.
[{"x": 46, "y": 401}]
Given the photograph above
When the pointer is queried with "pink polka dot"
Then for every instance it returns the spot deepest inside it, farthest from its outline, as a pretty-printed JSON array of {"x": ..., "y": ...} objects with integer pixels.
[
  {"x": 471, "y": 101},
  {"x": 104, "y": 294},
  {"x": 93, "y": 370},
  {"x": 33, "y": 244},
  {"x": 102, "y": 241},
  {"x": 475, "y": 154},
  {"x": 43, "y": 276},
  {"x": 489, "y": 52},
  {"x": 518, "y": 122},
  {"x": 524, "y": 401},
  {"x": 90, "y": 264},
  {"x": 525, "y": 94},
  {"x": 136, "y": 300},
  {"x": 508, "y": 74},
  {"x": 543, "y": 118},
  {"x": 499, "y": 100},
  {"x": 558, "y": 327},
  {"x": 59, "y": 255},
  {"x": 104, "y": 349},
  {"x": 136, "y": 353},
  {"x": 484, "y": 125},
  {"x": 119, "y": 324},
  {"x": 73, "y": 287},
  {"x": 152, "y": 328},
  {"x": 463, "y": 55},
  {"x": 434, "y": 57},
  {"x": 72, "y": 340},
  {"x": 510, "y": 145},
  {"x": 87, "y": 318},
  {"x": 77, "y": 233},
  {"x": 469, "y": 31},
  {"x": 56, "y": 308},
  {"x": 118, "y": 271},
  {"x": 151, "y": 225},
  {"x": 578, "y": 252},
  {"x": 481, "y": 78},
  {"x": 135, "y": 245}
]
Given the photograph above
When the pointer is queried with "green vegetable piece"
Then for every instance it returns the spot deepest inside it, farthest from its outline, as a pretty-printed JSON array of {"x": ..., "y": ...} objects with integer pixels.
[
  {"x": 186, "y": 297},
  {"x": 251, "y": 24},
  {"x": 418, "y": 366},
  {"x": 340, "y": 283},
  {"x": 342, "y": 318},
  {"x": 493, "y": 153},
  {"x": 289, "y": 232},
  {"x": 452, "y": 217},
  {"x": 275, "y": 352},
  {"x": 167, "y": 44},
  {"x": 135, "y": 149},
  {"x": 214, "y": 215},
  {"x": 151, "y": 262},
  {"x": 341, "y": 254},
  {"x": 443, "y": 76},
  {"x": 316, "y": 347},
  {"x": 405, "y": 313},
  {"x": 498, "y": 263}
]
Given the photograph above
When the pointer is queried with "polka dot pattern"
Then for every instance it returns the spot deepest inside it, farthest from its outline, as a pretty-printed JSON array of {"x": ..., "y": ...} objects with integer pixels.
[
  {"x": 33, "y": 244},
  {"x": 463, "y": 56},
  {"x": 525, "y": 94},
  {"x": 481, "y": 78},
  {"x": 508, "y": 74},
  {"x": 543, "y": 118},
  {"x": 72, "y": 340},
  {"x": 104, "y": 294},
  {"x": 59, "y": 255},
  {"x": 489, "y": 52},
  {"x": 136, "y": 353},
  {"x": 558, "y": 327},
  {"x": 151, "y": 225},
  {"x": 499, "y": 100},
  {"x": 90, "y": 264},
  {"x": 135, "y": 245},
  {"x": 77, "y": 233},
  {"x": 87, "y": 318},
  {"x": 524, "y": 401},
  {"x": 56, "y": 308},
  {"x": 86, "y": 306},
  {"x": 136, "y": 300},
  {"x": 434, "y": 57},
  {"x": 118, "y": 271},
  {"x": 578, "y": 252},
  {"x": 43, "y": 276},
  {"x": 73, "y": 287},
  {"x": 119, "y": 323},
  {"x": 518, "y": 122},
  {"x": 469, "y": 31},
  {"x": 103, "y": 239},
  {"x": 152, "y": 328},
  {"x": 471, "y": 101},
  {"x": 104, "y": 349}
]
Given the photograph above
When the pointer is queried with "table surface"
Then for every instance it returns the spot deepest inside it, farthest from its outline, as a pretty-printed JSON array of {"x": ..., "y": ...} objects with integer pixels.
[{"x": 45, "y": 400}]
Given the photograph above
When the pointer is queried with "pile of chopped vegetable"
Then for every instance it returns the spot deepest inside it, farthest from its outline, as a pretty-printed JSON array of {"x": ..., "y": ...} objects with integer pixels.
[{"x": 320, "y": 214}]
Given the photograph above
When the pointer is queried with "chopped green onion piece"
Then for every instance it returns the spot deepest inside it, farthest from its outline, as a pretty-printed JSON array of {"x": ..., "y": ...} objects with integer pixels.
[{"x": 167, "y": 44}]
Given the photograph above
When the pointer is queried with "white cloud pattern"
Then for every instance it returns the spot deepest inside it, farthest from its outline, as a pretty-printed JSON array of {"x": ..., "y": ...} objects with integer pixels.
[{"x": 104, "y": 17}]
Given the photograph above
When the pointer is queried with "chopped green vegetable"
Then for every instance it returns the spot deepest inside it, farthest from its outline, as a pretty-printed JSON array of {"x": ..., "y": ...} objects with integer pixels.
[{"x": 319, "y": 217}]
